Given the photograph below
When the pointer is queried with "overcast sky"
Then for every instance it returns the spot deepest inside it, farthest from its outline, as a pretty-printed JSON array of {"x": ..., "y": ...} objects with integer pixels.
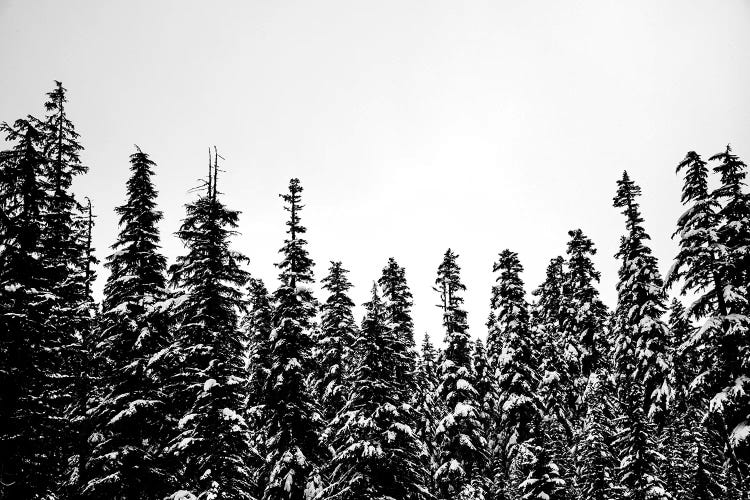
[{"x": 414, "y": 126}]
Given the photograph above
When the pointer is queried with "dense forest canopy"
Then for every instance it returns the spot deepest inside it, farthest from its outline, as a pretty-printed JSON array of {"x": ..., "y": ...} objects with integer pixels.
[{"x": 196, "y": 381}]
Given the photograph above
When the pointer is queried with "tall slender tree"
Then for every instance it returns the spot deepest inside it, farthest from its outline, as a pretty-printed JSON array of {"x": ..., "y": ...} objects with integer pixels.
[
  {"x": 338, "y": 333},
  {"x": 26, "y": 428},
  {"x": 642, "y": 360},
  {"x": 519, "y": 401},
  {"x": 132, "y": 419},
  {"x": 213, "y": 444},
  {"x": 459, "y": 433},
  {"x": 294, "y": 422},
  {"x": 378, "y": 456},
  {"x": 398, "y": 303},
  {"x": 258, "y": 324}
]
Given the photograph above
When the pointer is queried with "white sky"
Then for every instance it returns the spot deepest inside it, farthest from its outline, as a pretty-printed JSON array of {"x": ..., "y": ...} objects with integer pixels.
[{"x": 414, "y": 126}]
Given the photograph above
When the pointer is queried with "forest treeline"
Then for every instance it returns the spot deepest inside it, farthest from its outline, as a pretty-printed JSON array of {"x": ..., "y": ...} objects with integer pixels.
[{"x": 193, "y": 380}]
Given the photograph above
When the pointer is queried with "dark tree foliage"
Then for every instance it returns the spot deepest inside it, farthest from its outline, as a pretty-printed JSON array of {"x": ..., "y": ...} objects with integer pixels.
[
  {"x": 335, "y": 345},
  {"x": 378, "y": 456},
  {"x": 132, "y": 418},
  {"x": 459, "y": 439},
  {"x": 212, "y": 444},
  {"x": 27, "y": 419},
  {"x": 259, "y": 325},
  {"x": 398, "y": 303},
  {"x": 294, "y": 422},
  {"x": 428, "y": 407},
  {"x": 517, "y": 375},
  {"x": 641, "y": 354}
]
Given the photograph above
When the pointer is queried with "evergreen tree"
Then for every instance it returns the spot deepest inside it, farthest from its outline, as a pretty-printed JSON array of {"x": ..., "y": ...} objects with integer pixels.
[
  {"x": 641, "y": 354},
  {"x": 428, "y": 407},
  {"x": 258, "y": 324},
  {"x": 459, "y": 436},
  {"x": 597, "y": 464},
  {"x": 65, "y": 256},
  {"x": 583, "y": 323},
  {"x": 730, "y": 367},
  {"x": 378, "y": 456},
  {"x": 133, "y": 417},
  {"x": 518, "y": 380},
  {"x": 294, "y": 422},
  {"x": 26, "y": 415},
  {"x": 213, "y": 444},
  {"x": 398, "y": 303},
  {"x": 557, "y": 368},
  {"x": 543, "y": 481},
  {"x": 338, "y": 333}
]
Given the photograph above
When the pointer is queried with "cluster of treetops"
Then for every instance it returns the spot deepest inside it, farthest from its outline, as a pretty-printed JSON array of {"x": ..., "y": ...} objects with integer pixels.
[{"x": 194, "y": 381}]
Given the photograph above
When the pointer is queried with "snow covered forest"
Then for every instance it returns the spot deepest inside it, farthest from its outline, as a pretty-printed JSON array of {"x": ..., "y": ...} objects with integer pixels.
[{"x": 196, "y": 381}]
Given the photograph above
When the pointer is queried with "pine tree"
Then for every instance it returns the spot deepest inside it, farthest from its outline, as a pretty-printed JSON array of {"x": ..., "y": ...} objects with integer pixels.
[
  {"x": 65, "y": 255},
  {"x": 294, "y": 422},
  {"x": 132, "y": 419},
  {"x": 641, "y": 354},
  {"x": 26, "y": 429},
  {"x": 517, "y": 377},
  {"x": 557, "y": 368},
  {"x": 710, "y": 264},
  {"x": 428, "y": 406},
  {"x": 213, "y": 443},
  {"x": 378, "y": 456},
  {"x": 543, "y": 481},
  {"x": 597, "y": 464},
  {"x": 398, "y": 303},
  {"x": 462, "y": 447},
  {"x": 258, "y": 324},
  {"x": 731, "y": 371},
  {"x": 586, "y": 311},
  {"x": 338, "y": 333}
]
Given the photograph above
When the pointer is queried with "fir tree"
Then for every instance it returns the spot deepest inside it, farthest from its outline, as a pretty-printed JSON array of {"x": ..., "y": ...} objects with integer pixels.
[
  {"x": 641, "y": 354},
  {"x": 543, "y": 481},
  {"x": 597, "y": 463},
  {"x": 65, "y": 255},
  {"x": 517, "y": 377},
  {"x": 428, "y": 407},
  {"x": 338, "y": 333},
  {"x": 213, "y": 444},
  {"x": 294, "y": 422},
  {"x": 378, "y": 456},
  {"x": 583, "y": 323},
  {"x": 133, "y": 417},
  {"x": 459, "y": 434},
  {"x": 26, "y": 461},
  {"x": 398, "y": 303},
  {"x": 258, "y": 324}
]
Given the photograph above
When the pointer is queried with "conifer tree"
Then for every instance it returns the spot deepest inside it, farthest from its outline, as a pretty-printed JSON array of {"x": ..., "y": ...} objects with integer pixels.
[
  {"x": 543, "y": 481},
  {"x": 710, "y": 265},
  {"x": 584, "y": 321},
  {"x": 428, "y": 406},
  {"x": 213, "y": 444},
  {"x": 730, "y": 369},
  {"x": 258, "y": 324},
  {"x": 377, "y": 456},
  {"x": 516, "y": 370},
  {"x": 461, "y": 445},
  {"x": 294, "y": 422},
  {"x": 64, "y": 252},
  {"x": 398, "y": 303},
  {"x": 26, "y": 429},
  {"x": 557, "y": 367},
  {"x": 641, "y": 354},
  {"x": 132, "y": 419},
  {"x": 338, "y": 333},
  {"x": 597, "y": 464}
]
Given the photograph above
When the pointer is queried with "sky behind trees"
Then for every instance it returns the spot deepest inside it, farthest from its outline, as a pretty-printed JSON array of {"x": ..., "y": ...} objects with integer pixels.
[{"x": 413, "y": 126}]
